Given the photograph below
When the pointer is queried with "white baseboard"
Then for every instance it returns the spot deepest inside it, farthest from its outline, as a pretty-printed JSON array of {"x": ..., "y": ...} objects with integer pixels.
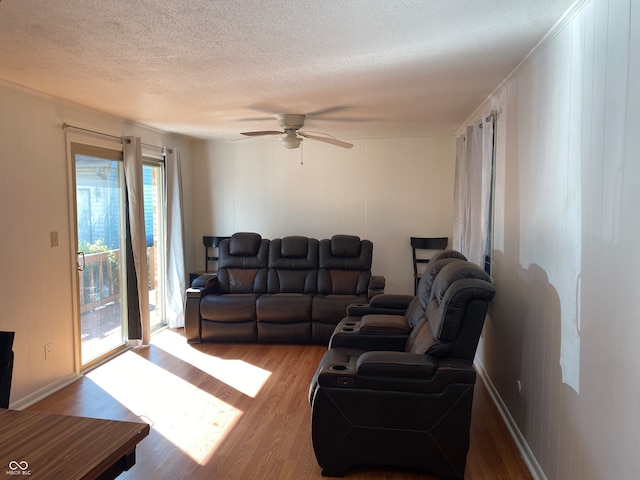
[
  {"x": 44, "y": 392},
  {"x": 527, "y": 455}
]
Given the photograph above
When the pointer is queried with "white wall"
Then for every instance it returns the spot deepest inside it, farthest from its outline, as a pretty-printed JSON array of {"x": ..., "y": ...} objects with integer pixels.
[
  {"x": 565, "y": 321},
  {"x": 385, "y": 190},
  {"x": 35, "y": 286}
]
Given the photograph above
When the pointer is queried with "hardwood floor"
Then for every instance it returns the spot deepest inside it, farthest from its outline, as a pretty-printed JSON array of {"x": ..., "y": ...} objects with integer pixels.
[{"x": 229, "y": 412}]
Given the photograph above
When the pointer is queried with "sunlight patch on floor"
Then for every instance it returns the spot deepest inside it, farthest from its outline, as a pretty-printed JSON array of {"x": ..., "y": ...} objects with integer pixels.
[
  {"x": 240, "y": 375},
  {"x": 193, "y": 420}
]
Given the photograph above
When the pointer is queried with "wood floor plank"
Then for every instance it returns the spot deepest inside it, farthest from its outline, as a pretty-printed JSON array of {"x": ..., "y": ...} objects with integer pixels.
[{"x": 233, "y": 411}]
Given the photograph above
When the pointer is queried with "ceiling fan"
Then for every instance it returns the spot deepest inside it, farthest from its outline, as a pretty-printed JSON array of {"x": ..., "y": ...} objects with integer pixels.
[{"x": 291, "y": 136}]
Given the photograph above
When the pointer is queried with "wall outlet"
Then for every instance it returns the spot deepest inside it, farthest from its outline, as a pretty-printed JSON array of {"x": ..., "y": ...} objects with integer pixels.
[
  {"x": 48, "y": 351},
  {"x": 54, "y": 239}
]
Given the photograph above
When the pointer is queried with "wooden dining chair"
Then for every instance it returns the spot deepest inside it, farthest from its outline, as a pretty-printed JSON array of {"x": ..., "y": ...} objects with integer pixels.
[
  {"x": 421, "y": 249},
  {"x": 6, "y": 367}
]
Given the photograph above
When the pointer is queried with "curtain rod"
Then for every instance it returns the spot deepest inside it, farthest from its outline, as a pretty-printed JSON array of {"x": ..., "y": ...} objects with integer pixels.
[
  {"x": 493, "y": 116},
  {"x": 66, "y": 125}
]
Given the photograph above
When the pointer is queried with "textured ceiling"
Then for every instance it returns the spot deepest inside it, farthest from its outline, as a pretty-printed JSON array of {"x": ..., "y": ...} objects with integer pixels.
[{"x": 211, "y": 68}]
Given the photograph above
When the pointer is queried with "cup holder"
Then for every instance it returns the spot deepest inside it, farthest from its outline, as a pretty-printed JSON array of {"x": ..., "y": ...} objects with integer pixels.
[
  {"x": 338, "y": 367},
  {"x": 347, "y": 329},
  {"x": 350, "y": 324}
]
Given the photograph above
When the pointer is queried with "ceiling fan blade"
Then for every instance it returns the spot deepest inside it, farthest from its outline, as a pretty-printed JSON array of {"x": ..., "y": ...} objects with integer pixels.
[
  {"x": 324, "y": 111},
  {"x": 265, "y": 132},
  {"x": 344, "y": 119},
  {"x": 331, "y": 140},
  {"x": 255, "y": 119}
]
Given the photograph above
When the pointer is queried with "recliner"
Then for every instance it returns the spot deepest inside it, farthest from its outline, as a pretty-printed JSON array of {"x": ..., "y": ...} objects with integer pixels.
[
  {"x": 344, "y": 277},
  {"x": 408, "y": 406},
  {"x": 390, "y": 316},
  {"x": 229, "y": 311},
  {"x": 283, "y": 313}
]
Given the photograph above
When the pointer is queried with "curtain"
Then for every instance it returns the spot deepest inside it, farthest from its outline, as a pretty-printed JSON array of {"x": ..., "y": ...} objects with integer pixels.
[
  {"x": 488, "y": 169},
  {"x": 132, "y": 155},
  {"x": 460, "y": 212},
  {"x": 176, "y": 284},
  {"x": 473, "y": 191}
]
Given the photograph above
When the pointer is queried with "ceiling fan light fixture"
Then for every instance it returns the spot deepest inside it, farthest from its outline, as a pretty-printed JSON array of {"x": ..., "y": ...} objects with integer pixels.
[
  {"x": 292, "y": 135},
  {"x": 290, "y": 140}
]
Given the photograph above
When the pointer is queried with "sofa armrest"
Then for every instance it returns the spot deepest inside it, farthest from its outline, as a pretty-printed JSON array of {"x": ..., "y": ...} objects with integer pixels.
[
  {"x": 376, "y": 324},
  {"x": 392, "y": 300},
  {"x": 348, "y": 334},
  {"x": 201, "y": 286},
  {"x": 205, "y": 281},
  {"x": 397, "y": 372},
  {"x": 396, "y": 365},
  {"x": 384, "y": 304},
  {"x": 376, "y": 286},
  {"x": 192, "y": 330}
]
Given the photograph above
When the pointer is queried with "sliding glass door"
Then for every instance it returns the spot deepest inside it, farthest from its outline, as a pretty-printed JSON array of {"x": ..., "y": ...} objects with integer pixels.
[
  {"x": 154, "y": 213},
  {"x": 101, "y": 217},
  {"x": 101, "y": 220},
  {"x": 101, "y": 262}
]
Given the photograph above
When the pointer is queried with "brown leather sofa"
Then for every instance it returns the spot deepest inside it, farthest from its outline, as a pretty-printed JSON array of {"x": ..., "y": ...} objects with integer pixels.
[
  {"x": 287, "y": 290},
  {"x": 405, "y": 405}
]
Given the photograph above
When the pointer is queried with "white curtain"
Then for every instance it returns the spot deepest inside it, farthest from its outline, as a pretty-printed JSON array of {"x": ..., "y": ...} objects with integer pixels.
[
  {"x": 460, "y": 203},
  {"x": 135, "y": 196},
  {"x": 473, "y": 190},
  {"x": 176, "y": 284}
]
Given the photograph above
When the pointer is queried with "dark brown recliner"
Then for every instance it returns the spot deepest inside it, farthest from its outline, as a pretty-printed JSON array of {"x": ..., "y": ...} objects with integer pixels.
[
  {"x": 344, "y": 277},
  {"x": 228, "y": 303},
  {"x": 409, "y": 408},
  {"x": 390, "y": 317},
  {"x": 284, "y": 313}
]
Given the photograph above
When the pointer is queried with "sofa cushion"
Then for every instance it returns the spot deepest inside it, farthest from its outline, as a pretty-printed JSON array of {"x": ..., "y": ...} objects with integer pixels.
[
  {"x": 345, "y": 246},
  {"x": 332, "y": 308},
  {"x": 340, "y": 255},
  {"x": 229, "y": 307},
  {"x": 241, "y": 281},
  {"x": 344, "y": 282},
  {"x": 453, "y": 301},
  {"x": 452, "y": 273},
  {"x": 284, "y": 308},
  {"x": 294, "y": 247},
  {"x": 292, "y": 281},
  {"x": 242, "y": 264},
  {"x": 425, "y": 286},
  {"x": 414, "y": 313},
  {"x": 244, "y": 244},
  {"x": 293, "y": 265}
]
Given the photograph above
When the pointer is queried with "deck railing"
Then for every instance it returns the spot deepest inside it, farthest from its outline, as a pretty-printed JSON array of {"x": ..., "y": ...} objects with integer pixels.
[{"x": 100, "y": 280}]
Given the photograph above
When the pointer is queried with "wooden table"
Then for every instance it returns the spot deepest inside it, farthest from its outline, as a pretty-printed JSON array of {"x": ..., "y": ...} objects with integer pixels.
[{"x": 45, "y": 446}]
